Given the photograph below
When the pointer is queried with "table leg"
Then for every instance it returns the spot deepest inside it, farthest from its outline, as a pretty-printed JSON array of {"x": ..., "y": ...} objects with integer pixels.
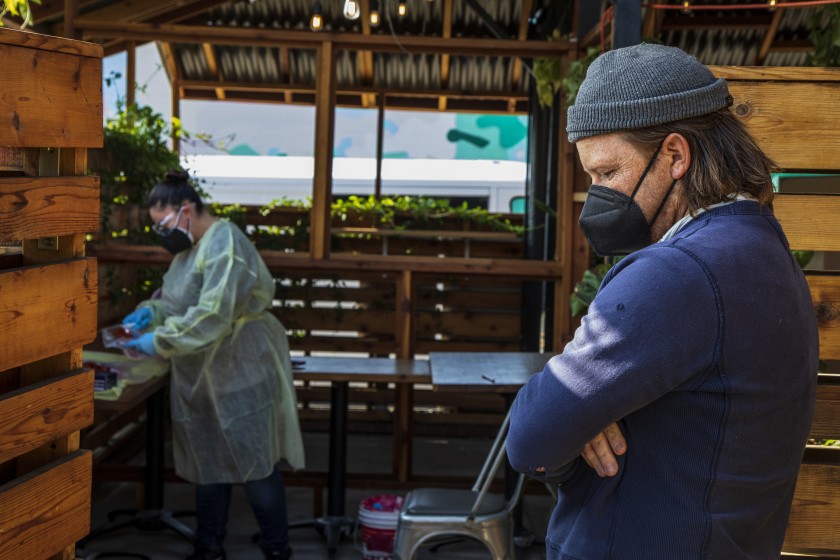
[
  {"x": 152, "y": 517},
  {"x": 338, "y": 449},
  {"x": 403, "y": 434},
  {"x": 155, "y": 433},
  {"x": 335, "y": 524}
]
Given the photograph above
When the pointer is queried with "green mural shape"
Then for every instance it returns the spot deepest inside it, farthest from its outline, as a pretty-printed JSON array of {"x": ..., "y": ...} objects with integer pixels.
[
  {"x": 511, "y": 129},
  {"x": 243, "y": 150},
  {"x": 486, "y": 136}
]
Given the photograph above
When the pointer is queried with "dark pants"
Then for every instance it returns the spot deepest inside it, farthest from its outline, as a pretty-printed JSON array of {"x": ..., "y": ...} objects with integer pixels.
[{"x": 268, "y": 500}]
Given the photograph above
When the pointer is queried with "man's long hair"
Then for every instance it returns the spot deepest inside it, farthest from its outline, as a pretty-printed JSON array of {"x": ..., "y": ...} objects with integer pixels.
[{"x": 725, "y": 159}]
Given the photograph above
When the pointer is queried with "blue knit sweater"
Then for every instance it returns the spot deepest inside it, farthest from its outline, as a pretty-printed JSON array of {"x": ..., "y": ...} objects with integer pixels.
[{"x": 704, "y": 349}]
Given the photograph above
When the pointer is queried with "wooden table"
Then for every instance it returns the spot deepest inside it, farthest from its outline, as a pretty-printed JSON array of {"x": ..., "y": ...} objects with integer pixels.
[
  {"x": 339, "y": 372},
  {"x": 483, "y": 372}
]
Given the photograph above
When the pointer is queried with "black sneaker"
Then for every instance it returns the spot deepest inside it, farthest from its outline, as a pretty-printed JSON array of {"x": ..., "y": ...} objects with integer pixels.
[
  {"x": 202, "y": 553},
  {"x": 278, "y": 554}
]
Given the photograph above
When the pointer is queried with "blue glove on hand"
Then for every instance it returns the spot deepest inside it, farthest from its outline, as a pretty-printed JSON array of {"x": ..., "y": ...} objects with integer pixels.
[
  {"x": 144, "y": 344},
  {"x": 141, "y": 318}
]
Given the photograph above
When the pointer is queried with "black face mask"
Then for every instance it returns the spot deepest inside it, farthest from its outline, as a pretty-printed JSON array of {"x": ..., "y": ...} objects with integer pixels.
[
  {"x": 613, "y": 222},
  {"x": 174, "y": 239}
]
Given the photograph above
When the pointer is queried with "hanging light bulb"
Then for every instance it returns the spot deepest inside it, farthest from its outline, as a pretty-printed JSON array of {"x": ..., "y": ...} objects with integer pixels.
[
  {"x": 374, "y": 13},
  {"x": 402, "y": 9},
  {"x": 316, "y": 22},
  {"x": 351, "y": 9}
]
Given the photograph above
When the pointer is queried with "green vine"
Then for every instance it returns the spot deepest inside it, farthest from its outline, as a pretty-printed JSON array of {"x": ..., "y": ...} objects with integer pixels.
[
  {"x": 577, "y": 72},
  {"x": 826, "y": 38},
  {"x": 19, "y": 9}
]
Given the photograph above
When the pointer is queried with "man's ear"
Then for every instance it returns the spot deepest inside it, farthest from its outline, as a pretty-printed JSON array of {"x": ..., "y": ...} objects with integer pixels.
[{"x": 676, "y": 149}]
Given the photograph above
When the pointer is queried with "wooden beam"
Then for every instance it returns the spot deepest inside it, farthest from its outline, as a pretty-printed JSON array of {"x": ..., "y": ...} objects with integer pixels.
[
  {"x": 306, "y": 39},
  {"x": 810, "y": 221},
  {"x": 380, "y": 143},
  {"x": 282, "y": 261},
  {"x": 444, "y": 57},
  {"x": 522, "y": 35},
  {"x": 169, "y": 61},
  {"x": 213, "y": 66},
  {"x": 769, "y": 35},
  {"x": 825, "y": 293},
  {"x": 349, "y": 90},
  {"x": 285, "y": 72},
  {"x": 319, "y": 234},
  {"x": 402, "y": 103},
  {"x": 130, "y": 72},
  {"x": 815, "y": 512}
]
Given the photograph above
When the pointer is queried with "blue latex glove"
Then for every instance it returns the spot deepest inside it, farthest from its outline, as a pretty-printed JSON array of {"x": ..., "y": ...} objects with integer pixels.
[
  {"x": 141, "y": 318},
  {"x": 144, "y": 344}
]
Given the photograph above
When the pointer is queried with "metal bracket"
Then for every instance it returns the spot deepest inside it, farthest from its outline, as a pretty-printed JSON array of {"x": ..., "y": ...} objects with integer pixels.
[{"x": 48, "y": 244}]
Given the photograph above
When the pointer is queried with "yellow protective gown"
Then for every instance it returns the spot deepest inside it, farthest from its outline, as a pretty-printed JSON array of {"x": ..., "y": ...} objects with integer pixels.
[{"x": 234, "y": 409}]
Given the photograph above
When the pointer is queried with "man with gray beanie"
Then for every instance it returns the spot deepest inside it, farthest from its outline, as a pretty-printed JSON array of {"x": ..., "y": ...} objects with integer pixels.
[{"x": 676, "y": 418}]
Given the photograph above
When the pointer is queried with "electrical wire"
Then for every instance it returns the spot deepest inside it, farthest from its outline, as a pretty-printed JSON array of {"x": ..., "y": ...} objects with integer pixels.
[{"x": 728, "y": 7}]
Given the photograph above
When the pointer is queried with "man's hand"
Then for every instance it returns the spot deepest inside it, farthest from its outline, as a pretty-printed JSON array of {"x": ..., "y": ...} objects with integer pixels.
[{"x": 600, "y": 452}]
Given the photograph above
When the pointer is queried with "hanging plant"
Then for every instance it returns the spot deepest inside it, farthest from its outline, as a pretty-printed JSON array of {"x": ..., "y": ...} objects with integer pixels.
[
  {"x": 826, "y": 38},
  {"x": 577, "y": 72},
  {"x": 19, "y": 9},
  {"x": 548, "y": 74}
]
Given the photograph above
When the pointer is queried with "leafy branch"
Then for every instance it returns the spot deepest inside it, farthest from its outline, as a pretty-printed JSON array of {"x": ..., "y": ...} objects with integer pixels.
[{"x": 19, "y": 9}]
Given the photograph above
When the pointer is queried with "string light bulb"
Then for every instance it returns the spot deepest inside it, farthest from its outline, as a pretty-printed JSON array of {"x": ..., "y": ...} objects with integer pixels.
[
  {"x": 686, "y": 9},
  {"x": 352, "y": 9},
  {"x": 771, "y": 5},
  {"x": 375, "y": 17},
  {"x": 316, "y": 21},
  {"x": 402, "y": 9}
]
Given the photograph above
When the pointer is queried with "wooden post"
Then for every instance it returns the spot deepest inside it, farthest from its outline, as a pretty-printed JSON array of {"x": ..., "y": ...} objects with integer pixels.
[
  {"x": 71, "y": 12},
  {"x": 319, "y": 229},
  {"x": 404, "y": 395},
  {"x": 176, "y": 116},
  {"x": 130, "y": 72},
  {"x": 380, "y": 142}
]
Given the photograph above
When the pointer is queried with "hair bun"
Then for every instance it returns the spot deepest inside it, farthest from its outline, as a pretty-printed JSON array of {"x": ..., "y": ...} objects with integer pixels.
[{"x": 176, "y": 175}]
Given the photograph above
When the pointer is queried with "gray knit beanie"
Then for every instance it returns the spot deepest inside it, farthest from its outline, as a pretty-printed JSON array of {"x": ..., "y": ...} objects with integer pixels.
[{"x": 641, "y": 86}]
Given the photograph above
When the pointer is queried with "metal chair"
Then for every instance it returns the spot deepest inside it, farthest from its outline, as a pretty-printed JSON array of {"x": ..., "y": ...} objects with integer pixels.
[{"x": 431, "y": 513}]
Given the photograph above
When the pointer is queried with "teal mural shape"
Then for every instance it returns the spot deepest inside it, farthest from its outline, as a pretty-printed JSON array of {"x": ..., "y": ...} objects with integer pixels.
[
  {"x": 500, "y": 137},
  {"x": 243, "y": 150}
]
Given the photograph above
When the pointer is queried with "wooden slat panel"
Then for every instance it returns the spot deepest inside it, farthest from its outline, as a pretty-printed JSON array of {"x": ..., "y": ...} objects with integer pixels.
[
  {"x": 469, "y": 325},
  {"x": 775, "y": 112},
  {"x": 35, "y": 415},
  {"x": 46, "y": 310},
  {"x": 826, "y": 423},
  {"x": 33, "y": 207},
  {"x": 811, "y": 222},
  {"x": 825, "y": 291},
  {"x": 56, "y": 102},
  {"x": 47, "y": 510},
  {"x": 361, "y": 320},
  {"x": 815, "y": 516}
]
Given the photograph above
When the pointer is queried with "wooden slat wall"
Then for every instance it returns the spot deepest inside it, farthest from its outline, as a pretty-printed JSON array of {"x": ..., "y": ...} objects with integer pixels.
[
  {"x": 793, "y": 114},
  {"x": 50, "y": 113}
]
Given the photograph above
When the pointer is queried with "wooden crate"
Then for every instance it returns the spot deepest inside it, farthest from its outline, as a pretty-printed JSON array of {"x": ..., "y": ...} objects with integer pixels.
[
  {"x": 793, "y": 114},
  {"x": 51, "y": 112}
]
